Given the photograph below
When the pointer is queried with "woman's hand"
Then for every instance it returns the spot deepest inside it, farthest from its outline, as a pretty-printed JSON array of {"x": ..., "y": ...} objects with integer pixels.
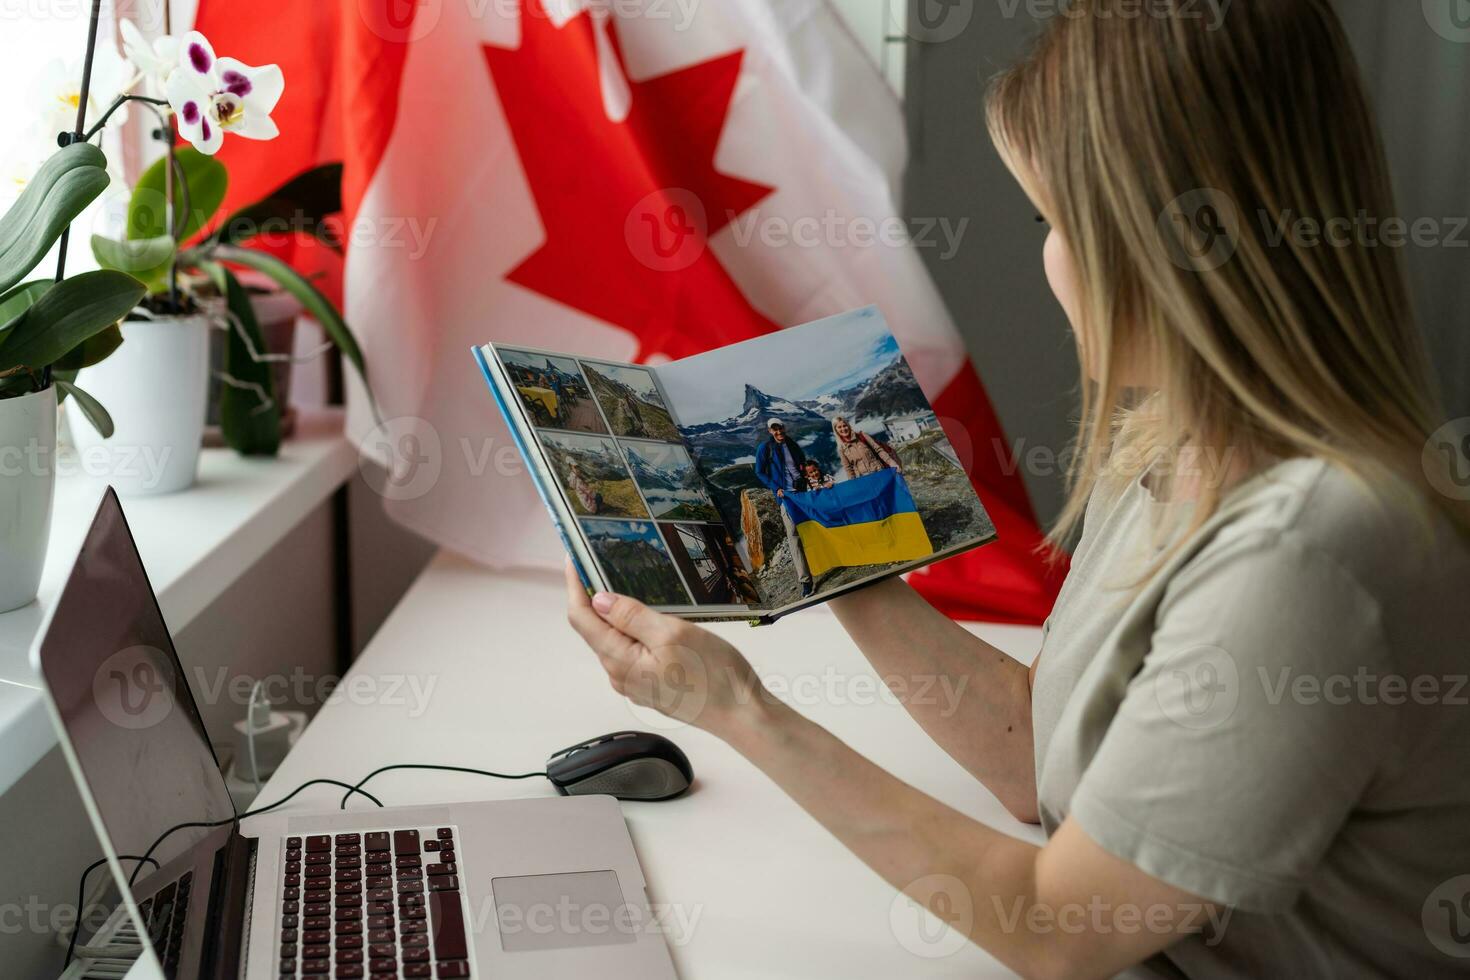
[{"x": 664, "y": 663}]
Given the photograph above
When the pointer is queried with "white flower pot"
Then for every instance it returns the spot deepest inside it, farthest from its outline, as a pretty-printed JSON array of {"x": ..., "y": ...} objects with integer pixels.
[
  {"x": 27, "y": 485},
  {"x": 154, "y": 388}
]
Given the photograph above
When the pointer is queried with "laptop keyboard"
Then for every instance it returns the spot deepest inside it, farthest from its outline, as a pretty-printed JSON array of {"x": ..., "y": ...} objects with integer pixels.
[
  {"x": 163, "y": 917},
  {"x": 382, "y": 904}
]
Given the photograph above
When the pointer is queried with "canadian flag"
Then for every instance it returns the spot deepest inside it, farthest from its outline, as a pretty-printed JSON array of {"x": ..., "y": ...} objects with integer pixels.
[{"x": 628, "y": 179}]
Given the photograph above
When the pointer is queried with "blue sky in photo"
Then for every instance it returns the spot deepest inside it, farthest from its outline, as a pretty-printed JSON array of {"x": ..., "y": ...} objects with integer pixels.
[
  {"x": 623, "y": 531},
  {"x": 799, "y": 363},
  {"x": 537, "y": 362},
  {"x": 636, "y": 378}
]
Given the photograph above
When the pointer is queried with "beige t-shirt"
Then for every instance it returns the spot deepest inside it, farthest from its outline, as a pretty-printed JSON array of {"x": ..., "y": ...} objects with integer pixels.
[{"x": 1278, "y": 722}]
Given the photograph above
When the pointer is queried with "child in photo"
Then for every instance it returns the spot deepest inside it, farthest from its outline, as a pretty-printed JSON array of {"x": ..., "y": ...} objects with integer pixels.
[{"x": 815, "y": 478}]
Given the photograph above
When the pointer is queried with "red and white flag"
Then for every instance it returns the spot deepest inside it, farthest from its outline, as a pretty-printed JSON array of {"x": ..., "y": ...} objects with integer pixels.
[{"x": 627, "y": 179}]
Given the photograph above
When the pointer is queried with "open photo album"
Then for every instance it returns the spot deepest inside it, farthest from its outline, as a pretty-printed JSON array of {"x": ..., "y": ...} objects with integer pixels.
[{"x": 744, "y": 483}]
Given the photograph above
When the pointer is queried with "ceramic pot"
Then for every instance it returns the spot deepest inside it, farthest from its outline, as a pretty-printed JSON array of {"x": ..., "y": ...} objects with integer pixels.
[
  {"x": 154, "y": 387},
  {"x": 27, "y": 487}
]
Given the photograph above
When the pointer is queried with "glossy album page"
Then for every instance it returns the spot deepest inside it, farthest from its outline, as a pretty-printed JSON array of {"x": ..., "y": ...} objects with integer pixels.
[{"x": 825, "y": 458}]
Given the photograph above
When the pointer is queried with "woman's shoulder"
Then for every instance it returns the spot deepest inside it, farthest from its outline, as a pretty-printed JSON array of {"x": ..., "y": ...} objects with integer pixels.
[
  {"x": 1310, "y": 532},
  {"x": 1367, "y": 525}
]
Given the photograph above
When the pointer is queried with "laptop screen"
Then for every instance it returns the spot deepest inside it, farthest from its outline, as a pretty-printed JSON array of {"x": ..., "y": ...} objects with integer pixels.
[{"x": 128, "y": 713}]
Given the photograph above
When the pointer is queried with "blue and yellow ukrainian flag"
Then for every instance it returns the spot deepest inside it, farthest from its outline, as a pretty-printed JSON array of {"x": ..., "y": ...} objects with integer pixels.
[{"x": 868, "y": 521}]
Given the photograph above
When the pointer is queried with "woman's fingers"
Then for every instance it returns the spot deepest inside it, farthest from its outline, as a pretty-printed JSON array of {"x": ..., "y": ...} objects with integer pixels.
[
  {"x": 609, "y": 645},
  {"x": 632, "y": 618}
]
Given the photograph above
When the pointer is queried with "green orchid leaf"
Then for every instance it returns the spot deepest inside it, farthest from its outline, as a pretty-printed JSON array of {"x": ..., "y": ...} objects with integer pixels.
[
  {"x": 91, "y": 407},
  {"x": 145, "y": 259},
  {"x": 205, "y": 181},
  {"x": 302, "y": 204},
  {"x": 67, "y": 182},
  {"x": 93, "y": 350},
  {"x": 17, "y": 300},
  {"x": 306, "y": 294},
  {"x": 69, "y": 313},
  {"x": 249, "y": 413}
]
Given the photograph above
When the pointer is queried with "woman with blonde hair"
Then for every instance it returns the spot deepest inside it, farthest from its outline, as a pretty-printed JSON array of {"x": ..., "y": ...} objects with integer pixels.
[
  {"x": 1242, "y": 735},
  {"x": 860, "y": 453}
]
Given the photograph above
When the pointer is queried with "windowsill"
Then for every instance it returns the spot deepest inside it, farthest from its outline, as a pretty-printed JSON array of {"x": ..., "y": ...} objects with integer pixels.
[{"x": 194, "y": 544}]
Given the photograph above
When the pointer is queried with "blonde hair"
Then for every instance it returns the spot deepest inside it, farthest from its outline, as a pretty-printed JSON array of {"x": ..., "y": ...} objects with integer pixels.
[{"x": 1165, "y": 148}]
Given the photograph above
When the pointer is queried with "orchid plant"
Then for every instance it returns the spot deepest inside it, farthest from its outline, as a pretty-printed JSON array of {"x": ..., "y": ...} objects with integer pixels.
[
  {"x": 50, "y": 330},
  {"x": 209, "y": 95},
  {"x": 178, "y": 197}
]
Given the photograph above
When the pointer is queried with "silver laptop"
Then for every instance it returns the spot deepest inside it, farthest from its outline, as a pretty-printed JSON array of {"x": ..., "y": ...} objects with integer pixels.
[{"x": 540, "y": 888}]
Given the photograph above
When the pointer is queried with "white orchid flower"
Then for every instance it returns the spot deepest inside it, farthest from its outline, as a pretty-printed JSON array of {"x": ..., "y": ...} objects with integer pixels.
[
  {"x": 153, "y": 59},
  {"x": 213, "y": 96},
  {"x": 57, "y": 90}
]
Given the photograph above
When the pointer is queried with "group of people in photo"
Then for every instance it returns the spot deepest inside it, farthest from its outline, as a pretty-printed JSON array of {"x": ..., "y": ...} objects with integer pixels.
[{"x": 783, "y": 467}]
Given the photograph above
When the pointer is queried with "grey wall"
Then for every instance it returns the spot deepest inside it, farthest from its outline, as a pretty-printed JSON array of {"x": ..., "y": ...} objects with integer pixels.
[
  {"x": 1420, "y": 80},
  {"x": 995, "y": 287},
  {"x": 386, "y": 558},
  {"x": 1018, "y": 338}
]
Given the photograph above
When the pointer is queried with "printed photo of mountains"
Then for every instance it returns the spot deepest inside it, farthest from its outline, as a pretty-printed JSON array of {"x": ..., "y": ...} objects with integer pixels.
[
  {"x": 869, "y": 386},
  {"x": 593, "y": 474},
  {"x": 635, "y": 562},
  {"x": 671, "y": 485},
  {"x": 631, "y": 401}
]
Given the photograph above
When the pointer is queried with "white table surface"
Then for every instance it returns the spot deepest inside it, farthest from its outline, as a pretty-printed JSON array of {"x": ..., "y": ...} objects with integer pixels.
[
  {"x": 480, "y": 669},
  {"x": 194, "y": 544}
]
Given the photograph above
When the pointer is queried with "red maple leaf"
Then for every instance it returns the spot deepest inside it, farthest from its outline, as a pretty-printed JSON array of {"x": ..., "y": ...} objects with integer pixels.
[{"x": 627, "y": 206}]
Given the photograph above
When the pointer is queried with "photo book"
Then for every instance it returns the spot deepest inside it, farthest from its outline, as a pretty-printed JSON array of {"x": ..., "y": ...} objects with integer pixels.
[{"x": 745, "y": 483}]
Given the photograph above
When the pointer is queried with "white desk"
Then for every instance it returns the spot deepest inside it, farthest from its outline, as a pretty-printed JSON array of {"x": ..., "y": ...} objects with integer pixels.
[
  {"x": 480, "y": 669},
  {"x": 194, "y": 545}
]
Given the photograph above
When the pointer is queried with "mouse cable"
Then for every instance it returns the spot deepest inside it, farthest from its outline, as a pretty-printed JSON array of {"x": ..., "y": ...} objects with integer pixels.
[
  {"x": 411, "y": 765},
  {"x": 71, "y": 946},
  {"x": 353, "y": 789},
  {"x": 209, "y": 824},
  {"x": 148, "y": 858}
]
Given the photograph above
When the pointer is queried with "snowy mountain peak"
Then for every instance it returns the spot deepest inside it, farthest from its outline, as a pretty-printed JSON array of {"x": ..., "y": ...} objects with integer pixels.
[
  {"x": 756, "y": 401},
  {"x": 760, "y": 406}
]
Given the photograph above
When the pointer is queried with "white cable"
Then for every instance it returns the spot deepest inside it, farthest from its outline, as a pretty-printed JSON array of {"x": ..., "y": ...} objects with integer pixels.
[{"x": 250, "y": 733}]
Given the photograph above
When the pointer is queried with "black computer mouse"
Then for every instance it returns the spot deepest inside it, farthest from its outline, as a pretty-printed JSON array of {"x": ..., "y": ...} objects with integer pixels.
[{"x": 628, "y": 765}]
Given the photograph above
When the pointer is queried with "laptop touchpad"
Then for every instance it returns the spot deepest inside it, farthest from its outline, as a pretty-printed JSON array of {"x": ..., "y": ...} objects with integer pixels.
[{"x": 585, "y": 908}]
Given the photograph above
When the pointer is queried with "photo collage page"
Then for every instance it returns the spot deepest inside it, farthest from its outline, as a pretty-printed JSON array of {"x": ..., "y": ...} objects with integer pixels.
[{"x": 606, "y": 431}]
